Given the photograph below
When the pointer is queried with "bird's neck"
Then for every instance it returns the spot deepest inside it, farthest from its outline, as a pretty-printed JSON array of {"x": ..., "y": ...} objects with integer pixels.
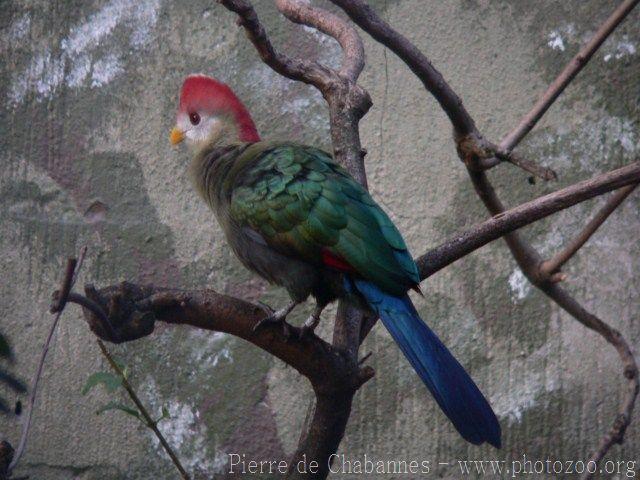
[{"x": 209, "y": 168}]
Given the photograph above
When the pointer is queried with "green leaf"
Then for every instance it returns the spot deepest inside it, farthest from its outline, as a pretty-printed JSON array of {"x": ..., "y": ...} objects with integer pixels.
[
  {"x": 110, "y": 381},
  {"x": 165, "y": 415},
  {"x": 119, "y": 406},
  {"x": 4, "y": 408},
  {"x": 5, "y": 349}
]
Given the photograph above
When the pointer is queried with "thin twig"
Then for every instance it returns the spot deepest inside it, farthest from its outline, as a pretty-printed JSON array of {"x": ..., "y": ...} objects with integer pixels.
[
  {"x": 525, "y": 164},
  {"x": 152, "y": 424},
  {"x": 365, "y": 17},
  {"x": 365, "y": 358},
  {"x": 57, "y": 308},
  {"x": 629, "y": 367},
  {"x": 576, "y": 64},
  {"x": 554, "y": 264},
  {"x": 508, "y": 221}
]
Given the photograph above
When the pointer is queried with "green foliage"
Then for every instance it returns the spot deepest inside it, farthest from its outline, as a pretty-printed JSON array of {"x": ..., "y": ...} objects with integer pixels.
[
  {"x": 165, "y": 415},
  {"x": 5, "y": 349},
  {"x": 120, "y": 406},
  {"x": 5, "y": 377},
  {"x": 110, "y": 381}
]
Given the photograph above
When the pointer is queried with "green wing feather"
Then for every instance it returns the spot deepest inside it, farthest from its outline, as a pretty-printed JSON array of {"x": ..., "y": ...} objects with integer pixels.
[{"x": 302, "y": 203}]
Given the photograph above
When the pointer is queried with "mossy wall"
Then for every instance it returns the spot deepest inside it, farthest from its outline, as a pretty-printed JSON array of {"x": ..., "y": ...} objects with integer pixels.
[{"x": 89, "y": 90}]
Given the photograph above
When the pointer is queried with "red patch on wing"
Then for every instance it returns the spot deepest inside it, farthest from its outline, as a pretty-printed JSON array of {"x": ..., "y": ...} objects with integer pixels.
[{"x": 336, "y": 262}]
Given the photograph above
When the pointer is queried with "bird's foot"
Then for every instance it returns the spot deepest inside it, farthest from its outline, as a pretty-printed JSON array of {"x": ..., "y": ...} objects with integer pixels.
[
  {"x": 310, "y": 324},
  {"x": 277, "y": 317}
]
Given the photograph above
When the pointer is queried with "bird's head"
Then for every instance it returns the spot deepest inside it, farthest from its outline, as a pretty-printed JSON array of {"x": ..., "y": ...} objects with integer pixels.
[{"x": 210, "y": 114}]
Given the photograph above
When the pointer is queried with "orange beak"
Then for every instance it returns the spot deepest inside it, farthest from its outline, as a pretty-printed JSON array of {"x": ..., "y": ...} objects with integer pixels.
[{"x": 176, "y": 136}]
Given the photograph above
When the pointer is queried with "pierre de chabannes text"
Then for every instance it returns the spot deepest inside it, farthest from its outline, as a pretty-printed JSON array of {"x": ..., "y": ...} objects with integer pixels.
[{"x": 367, "y": 464}]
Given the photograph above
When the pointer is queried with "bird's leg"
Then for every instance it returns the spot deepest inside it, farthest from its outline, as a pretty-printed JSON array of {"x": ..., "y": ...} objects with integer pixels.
[
  {"x": 311, "y": 323},
  {"x": 278, "y": 316}
]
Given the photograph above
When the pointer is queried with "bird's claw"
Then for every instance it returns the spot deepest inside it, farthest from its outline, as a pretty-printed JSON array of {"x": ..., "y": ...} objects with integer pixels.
[
  {"x": 309, "y": 326},
  {"x": 267, "y": 307},
  {"x": 305, "y": 331},
  {"x": 274, "y": 318}
]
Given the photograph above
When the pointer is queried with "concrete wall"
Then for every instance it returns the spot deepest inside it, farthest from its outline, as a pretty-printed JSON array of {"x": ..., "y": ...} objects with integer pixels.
[{"x": 88, "y": 94}]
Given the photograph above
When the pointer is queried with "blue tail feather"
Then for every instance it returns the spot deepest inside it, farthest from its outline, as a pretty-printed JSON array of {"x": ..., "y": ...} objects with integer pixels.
[{"x": 453, "y": 389}]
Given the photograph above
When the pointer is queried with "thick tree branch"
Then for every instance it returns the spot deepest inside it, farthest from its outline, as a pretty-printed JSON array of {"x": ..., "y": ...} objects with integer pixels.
[
  {"x": 507, "y": 221},
  {"x": 132, "y": 311},
  {"x": 556, "y": 262},
  {"x": 127, "y": 312},
  {"x": 576, "y": 64}
]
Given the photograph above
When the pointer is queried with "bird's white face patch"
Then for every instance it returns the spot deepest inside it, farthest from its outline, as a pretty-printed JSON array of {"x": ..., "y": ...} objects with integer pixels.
[{"x": 204, "y": 132}]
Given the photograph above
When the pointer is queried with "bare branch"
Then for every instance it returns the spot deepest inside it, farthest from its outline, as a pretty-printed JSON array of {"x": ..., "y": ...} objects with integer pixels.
[
  {"x": 528, "y": 260},
  {"x": 348, "y": 103},
  {"x": 475, "y": 152},
  {"x": 332, "y": 25},
  {"x": 629, "y": 366},
  {"x": 494, "y": 156},
  {"x": 464, "y": 126},
  {"x": 134, "y": 309},
  {"x": 57, "y": 307},
  {"x": 365, "y": 17},
  {"x": 294, "y": 68},
  {"x": 576, "y": 64},
  {"x": 525, "y": 164},
  {"x": 507, "y": 221},
  {"x": 554, "y": 264}
]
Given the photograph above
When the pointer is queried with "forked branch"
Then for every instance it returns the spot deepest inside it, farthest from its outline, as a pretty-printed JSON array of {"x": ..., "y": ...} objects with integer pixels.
[
  {"x": 577, "y": 63},
  {"x": 505, "y": 222},
  {"x": 332, "y": 25},
  {"x": 473, "y": 150},
  {"x": 553, "y": 265},
  {"x": 463, "y": 124}
]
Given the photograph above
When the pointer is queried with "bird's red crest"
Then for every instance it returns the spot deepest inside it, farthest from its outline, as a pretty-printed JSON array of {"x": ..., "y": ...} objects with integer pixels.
[{"x": 203, "y": 93}]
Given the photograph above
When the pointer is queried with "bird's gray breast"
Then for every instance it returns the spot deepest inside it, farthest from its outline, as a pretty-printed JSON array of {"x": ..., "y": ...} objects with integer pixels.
[{"x": 250, "y": 247}]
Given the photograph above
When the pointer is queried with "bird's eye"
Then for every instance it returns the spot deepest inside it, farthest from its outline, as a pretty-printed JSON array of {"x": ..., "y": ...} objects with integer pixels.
[{"x": 194, "y": 118}]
